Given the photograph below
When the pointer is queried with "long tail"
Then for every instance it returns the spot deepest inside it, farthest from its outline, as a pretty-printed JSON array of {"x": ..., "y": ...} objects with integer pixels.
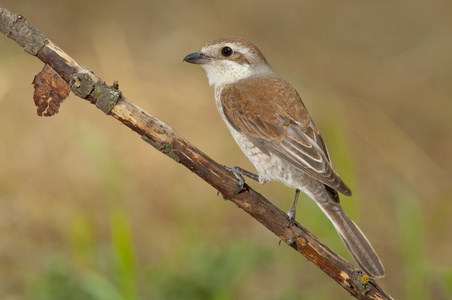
[{"x": 356, "y": 242}]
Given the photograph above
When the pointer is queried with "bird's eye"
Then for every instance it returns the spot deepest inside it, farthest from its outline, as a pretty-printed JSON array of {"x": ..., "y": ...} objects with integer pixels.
[{"x": 226, "y": 51}]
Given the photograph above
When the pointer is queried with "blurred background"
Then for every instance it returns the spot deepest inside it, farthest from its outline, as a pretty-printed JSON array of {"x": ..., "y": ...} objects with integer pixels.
[{"x": 90, "y": 211}]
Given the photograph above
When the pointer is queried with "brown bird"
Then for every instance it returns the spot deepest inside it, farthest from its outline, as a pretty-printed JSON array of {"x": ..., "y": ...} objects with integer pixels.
[{"x": 270, "y": 123}]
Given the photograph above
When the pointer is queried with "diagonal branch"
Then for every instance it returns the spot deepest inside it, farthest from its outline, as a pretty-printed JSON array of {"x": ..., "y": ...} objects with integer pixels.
[{"x": 85, "y": 84}]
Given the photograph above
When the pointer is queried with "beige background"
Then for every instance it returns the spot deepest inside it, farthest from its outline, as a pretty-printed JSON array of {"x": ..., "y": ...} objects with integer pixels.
[{"x": 87, "y": 208}]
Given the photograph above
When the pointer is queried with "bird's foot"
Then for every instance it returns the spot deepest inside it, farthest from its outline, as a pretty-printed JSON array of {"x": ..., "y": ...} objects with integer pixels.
[
  {"x": 239, "y": 173},
  {"x": 291, "y": 213}
]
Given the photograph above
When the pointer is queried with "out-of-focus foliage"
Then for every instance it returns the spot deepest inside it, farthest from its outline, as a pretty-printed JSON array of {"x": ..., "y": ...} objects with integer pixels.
[{"x": 90, "y": 211}]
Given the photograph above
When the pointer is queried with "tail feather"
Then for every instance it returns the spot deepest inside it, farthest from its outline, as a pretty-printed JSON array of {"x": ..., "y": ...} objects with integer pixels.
[{"x": 356, "y": 242}]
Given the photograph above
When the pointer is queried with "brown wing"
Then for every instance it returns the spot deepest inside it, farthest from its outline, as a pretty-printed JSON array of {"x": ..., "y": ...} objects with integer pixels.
[{"x": 270, "y": 113}]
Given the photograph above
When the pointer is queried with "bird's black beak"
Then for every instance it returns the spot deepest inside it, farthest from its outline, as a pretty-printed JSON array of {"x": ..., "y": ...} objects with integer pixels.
[{"x": 197, "y": 58}]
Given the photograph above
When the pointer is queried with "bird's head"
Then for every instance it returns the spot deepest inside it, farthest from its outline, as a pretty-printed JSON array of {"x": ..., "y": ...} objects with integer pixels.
[{"x": 229, "y": 59}]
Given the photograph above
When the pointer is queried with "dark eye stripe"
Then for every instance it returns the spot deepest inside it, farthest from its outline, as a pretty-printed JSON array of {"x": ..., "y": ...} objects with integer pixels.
[{"x": 241, "y": 59}]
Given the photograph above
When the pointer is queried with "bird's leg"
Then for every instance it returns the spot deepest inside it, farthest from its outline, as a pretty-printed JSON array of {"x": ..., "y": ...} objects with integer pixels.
[
  {"x": 239, "y": 173},
  {"x": 292, "y": 212}
]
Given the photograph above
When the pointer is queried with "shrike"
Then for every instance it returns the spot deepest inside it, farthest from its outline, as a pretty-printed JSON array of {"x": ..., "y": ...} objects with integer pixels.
[{"x": 270, "y": 123}]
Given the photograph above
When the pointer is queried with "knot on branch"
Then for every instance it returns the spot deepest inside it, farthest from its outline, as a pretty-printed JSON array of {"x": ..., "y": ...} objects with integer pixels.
[
  {"x": 107, "y": 96},
  {"x": 104, "y": 96},
  {"x": 81, "y": 84}
]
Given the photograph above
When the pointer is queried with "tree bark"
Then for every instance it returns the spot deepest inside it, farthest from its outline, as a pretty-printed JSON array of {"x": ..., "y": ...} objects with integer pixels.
[{"x": 87, "y": 85}]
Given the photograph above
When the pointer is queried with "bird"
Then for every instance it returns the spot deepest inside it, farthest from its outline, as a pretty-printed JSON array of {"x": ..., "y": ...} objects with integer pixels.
[{"x": 271, "y": 125}]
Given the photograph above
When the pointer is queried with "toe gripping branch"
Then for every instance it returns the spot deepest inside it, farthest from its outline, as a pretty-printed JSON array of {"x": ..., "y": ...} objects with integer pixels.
[{"x": 239, "y": 173}]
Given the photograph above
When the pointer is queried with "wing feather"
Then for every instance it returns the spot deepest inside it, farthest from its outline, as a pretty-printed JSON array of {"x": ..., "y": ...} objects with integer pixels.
[{"x": 279, "y": 124}]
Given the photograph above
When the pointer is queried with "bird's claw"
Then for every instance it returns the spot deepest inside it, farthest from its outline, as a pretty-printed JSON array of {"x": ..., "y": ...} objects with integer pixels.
[
  {"x": 237, "y": 173},
  {"x": 291, "y": 214}
]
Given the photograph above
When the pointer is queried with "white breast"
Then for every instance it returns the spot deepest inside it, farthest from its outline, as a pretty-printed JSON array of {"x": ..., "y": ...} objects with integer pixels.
[{"x": 254, "y": 154}]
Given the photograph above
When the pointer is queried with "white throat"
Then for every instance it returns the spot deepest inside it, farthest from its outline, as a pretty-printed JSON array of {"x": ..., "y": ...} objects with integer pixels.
[{"x": 224, "y": 72}]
